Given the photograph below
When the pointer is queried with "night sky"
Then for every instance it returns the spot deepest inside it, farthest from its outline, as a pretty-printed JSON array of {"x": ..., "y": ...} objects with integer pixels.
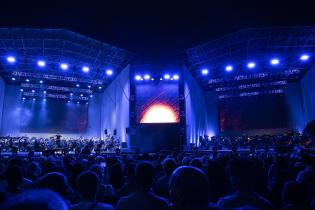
[{"x": 155, "y": 30}]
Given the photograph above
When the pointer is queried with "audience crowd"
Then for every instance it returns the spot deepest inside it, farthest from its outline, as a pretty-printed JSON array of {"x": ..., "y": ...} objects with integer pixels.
[{"x": 196, "y": 180}]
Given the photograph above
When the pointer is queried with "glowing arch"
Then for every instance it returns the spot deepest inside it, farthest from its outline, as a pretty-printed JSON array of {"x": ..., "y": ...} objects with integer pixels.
[{"x": 159, "y": 113}]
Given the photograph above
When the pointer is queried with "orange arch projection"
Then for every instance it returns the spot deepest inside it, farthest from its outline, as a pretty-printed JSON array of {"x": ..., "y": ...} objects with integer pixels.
[{"x": 159, "y": 113}]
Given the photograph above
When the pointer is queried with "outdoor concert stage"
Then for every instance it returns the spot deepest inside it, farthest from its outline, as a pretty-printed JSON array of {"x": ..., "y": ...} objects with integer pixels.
[{"x": 82, "y": 88}]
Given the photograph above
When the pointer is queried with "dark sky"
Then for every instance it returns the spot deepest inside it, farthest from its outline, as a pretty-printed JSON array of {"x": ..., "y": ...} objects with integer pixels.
[{"x": 155, "y": 29}]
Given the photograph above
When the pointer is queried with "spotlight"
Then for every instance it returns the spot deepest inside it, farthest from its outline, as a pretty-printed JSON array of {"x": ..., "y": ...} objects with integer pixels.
[
  {"x": 44, "y": 99},
  {"x": 78, "y": 85},
  {"x": 68, "y": 101},
  {"x": 81, "y": 95},
  {"x": 152, "y": 79},
  {"x": 27, "y": 80},
  {"x": 175, "y": 77},
  {"x": 109, "y": 72},
  {"x": 146, "y": 77},
  {"x": 33, "y": 91},
  {"x": 34, "y": 99},
  {"x": 64, "y": 66},
  {"x": 41, "y": 63},
  {"x": 71, "y": 94},
  {"x": 91, "y": 96},
  {"x": 161, "y": 79},
  {"x": 89, "y": 86},
  {"x": 274, "y": 61},
  {"x": 41, "y": 82},
  {"x": 45, "y": 92},
  {"x": 167, "y": 76},
  {"x": 100, "y": 87},
  {"x": 251, "y": 65},
  {"x": 23, "y": 98},
  {"x": 11, "y": 59},
  {"x": 87, "y": 103},
  {"x": 78, "y": 102},
  {"x": 304, "y": 57},
  {"x": 229, "y": 68},
  {"x": 138, "y": 77},
  {"x": 204, "y": 71},
  {"x": 85, "y": 69},
  {"x": 21, "y": 90},
  {"x": 13, "y": 78}
]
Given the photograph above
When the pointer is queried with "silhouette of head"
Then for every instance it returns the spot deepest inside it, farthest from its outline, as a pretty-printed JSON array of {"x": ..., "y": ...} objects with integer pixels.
[
  {"x": 14, "y": 176},
  {"x": 144, "y": 175},
  {"x": 35, "y": 200},
  {"x": 242, "y": 173},
  {"x": 169, "y": 165},
  {"x": 54, "y": 181},
  {"x": 87, "y": 185},
  {"x": 189, "y": 188}
]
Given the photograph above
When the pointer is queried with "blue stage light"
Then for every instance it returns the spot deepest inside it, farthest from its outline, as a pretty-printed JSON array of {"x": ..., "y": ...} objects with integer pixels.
[
  {"x": 41, "y": 82},
  {"x": 204, "y": 71},
  {"x": 251, "y": 65},
  {"x": 87, "y": 103},
  {"x": 161, "y": 79},
  {"x": 27, "y": 80},
  {"x": 89, "y": 86},
  {"x": 13, "y": 78},
  {"x": 109, "y": 72},
  {"x": 146, "y": 76},
  {"x": 64, "y": 66},
  {"x": 33, "y": 91},
  {"x": 138, "y": 77},
  {"x": 71, "y": 94},
  {"x": 68, "y": 101},
  {"x": 304, "y": 57},
  {"x": 81, "y": 95},
  {"x": 44, "y": 91},
  {"x": 21, "y": 90},
  {"x": 44, "y": 99},
  {"x": 85, "y": 69},
  {"x": 274, "y": 61},
  {"x": 167, "y": 76},
  {"x": 34, "y": 99},
  {"x": 91, "y": 96},
  {"x": 77, "y": 85},
  {"x": 152, "y": 79},
  {"x": 229, "y": 68},
  {"x": 78, "y": 102},
  {"x": 23, "y": 98},
  {"x": 175, "y": 77},
  {"x": 41, "y": 63},
  {"x": 11, "y": 59},
  {"x": 100, "y": 87}
]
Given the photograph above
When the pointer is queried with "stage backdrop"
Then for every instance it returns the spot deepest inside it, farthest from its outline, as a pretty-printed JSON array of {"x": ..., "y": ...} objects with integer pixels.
[
  {"x": 28, "y": 118},
  {"x": 115, "y": 106},
  {"x": 308, "y": 95},
  {"x": 254, "y": 112},
  {"x": 157, "y": 102}
]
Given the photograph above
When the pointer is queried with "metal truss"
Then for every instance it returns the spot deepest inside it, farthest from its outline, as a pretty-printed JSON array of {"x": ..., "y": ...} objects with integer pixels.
[
  {"x": 54, "y": 95},
  {"x": 56, "y": 88},
  {"x": 255, "y": 44},
  {"x": 56, "y": 78},
  {"x": 57, "y": 46}
]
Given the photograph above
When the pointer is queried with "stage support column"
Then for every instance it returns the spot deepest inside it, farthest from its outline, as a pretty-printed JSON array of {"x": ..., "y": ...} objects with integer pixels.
[
  {"x": 132, "y": 107},
  {"x": 182, "y": 107}
]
